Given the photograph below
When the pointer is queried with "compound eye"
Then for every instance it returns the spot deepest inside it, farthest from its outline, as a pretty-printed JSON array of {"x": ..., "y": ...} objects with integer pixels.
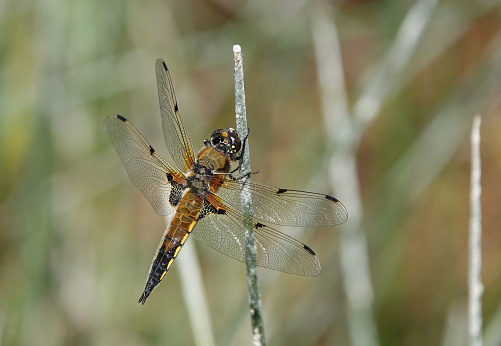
[
  {"x": 216, "y": 137},
  {"x": 215, "y": 140},
  {"x": 236, "y": 143}
]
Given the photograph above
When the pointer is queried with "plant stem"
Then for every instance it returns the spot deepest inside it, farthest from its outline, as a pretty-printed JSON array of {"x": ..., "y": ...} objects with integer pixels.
[
  {"x": 353, "y": 251},
  {"x": 256, "y": 315},
  {"x": 475, "y": 278},
  {"x": 195, "y": 299}
]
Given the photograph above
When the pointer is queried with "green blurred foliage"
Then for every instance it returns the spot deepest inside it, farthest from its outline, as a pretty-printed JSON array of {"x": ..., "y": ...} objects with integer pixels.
[{"x": 76, "y": 237}]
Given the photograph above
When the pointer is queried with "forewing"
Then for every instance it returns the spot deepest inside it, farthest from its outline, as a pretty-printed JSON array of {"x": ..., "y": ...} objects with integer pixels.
[
  {"x": 155, "y": 177},
  {"x": 224, "y": 229},
  {"x": 284, "y": 206},
  {"x": 175, "y": 134}
]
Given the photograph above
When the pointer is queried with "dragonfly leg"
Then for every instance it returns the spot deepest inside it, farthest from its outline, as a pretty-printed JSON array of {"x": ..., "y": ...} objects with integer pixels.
[
  {"x": 243, "y": 176},
  {"x": 244, "y": 140}
]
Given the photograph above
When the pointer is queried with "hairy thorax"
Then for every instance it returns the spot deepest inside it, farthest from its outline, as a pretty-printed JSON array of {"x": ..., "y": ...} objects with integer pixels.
[{"x": 203, "y": 176}]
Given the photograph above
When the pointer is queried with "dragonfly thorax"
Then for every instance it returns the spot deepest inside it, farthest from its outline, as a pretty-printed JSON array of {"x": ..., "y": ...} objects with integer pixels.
[{"x": 199, "y": 177}]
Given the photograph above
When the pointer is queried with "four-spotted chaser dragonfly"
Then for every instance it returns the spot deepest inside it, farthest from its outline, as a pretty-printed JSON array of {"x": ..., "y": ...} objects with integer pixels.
[{"x": 205, "y": 196}]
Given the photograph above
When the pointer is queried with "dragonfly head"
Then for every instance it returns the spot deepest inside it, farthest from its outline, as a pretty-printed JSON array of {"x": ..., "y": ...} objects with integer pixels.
[{"x": 226, "y": 141}]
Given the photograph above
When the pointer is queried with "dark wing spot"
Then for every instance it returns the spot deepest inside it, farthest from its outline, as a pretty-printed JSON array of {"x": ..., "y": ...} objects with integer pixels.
[
  {"x": 165, "y": 65},
  {"x": 176, "y": 108},
  {"x": 258, "y": 225},
  {"x": 307, "y": 248},
  {"x": 221, "y": 211},
  {"x": 281, "y": 191},
  {"x": 332, "y": 199},
  {"x": 121, "y": 118},
  {"x": 151, "y": 150},
  {"x": 169, "y": 177}
]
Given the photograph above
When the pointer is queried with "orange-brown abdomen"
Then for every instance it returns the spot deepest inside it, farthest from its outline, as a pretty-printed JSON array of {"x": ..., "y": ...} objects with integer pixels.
[{"x": 180, "y": 228}]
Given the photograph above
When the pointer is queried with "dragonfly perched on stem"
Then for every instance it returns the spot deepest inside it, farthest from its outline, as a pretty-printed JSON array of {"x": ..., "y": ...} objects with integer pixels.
[{"x": 204, "y": 194}]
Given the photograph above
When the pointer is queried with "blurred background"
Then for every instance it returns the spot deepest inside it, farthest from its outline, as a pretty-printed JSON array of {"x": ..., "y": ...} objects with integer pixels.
[{"x": 369, "y": 101}]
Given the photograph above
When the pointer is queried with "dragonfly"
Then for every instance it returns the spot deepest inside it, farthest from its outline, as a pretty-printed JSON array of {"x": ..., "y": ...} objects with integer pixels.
[{"x": 204, "y": 194}]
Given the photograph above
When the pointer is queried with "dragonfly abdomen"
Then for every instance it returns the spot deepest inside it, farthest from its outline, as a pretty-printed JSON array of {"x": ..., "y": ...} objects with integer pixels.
[{"x": 174, "y": 238}]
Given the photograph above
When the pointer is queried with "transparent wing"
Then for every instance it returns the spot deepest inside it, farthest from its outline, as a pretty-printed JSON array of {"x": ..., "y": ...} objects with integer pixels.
[
  {"x": 175, "y": 134},
  {"x": 159, "y": 182},
  {"x": 285, "y": 207},
  {"x": 225, "y": 232}
]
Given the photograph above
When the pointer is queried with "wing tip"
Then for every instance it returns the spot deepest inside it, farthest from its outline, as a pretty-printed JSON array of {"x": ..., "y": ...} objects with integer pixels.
[
  {"x": 343, "y": 212},
  {"x": 313, "y": 272},
  {"x": 115, "y": 116},
  {"x": 161, "y": 62},
  {"x": 108, "y": 121},
  {"x": 119, "y": 117}
]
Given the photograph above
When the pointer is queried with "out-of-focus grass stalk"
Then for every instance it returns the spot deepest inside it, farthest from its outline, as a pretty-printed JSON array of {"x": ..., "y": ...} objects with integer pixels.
[
  {"x": 492, "y": 335},
  {"x": 345, "y": 133},
  {"x": 430, "y": 153},
  {"x": 389, "y": 71},
  {"x": 256, "y": 314},
  {"x": 188, "y": 269},
  {"x": 353, "y": 247},
  {"x": 475, "y": 247},
  {"x": 455, "y": 325}
]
